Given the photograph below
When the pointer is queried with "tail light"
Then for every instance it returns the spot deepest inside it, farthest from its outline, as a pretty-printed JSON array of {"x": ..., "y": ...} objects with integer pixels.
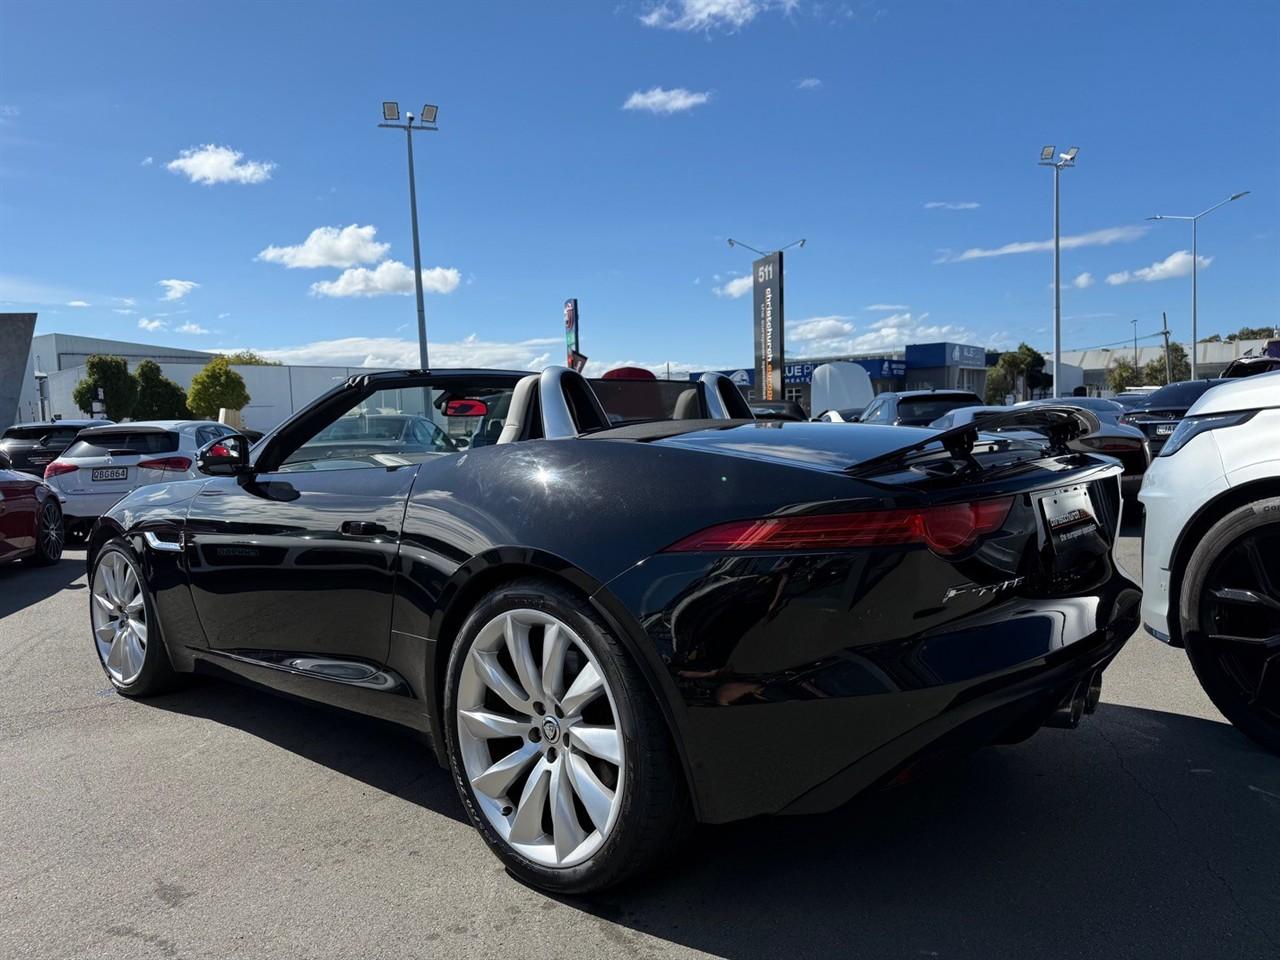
[
  {"x": 944, "y": 529},
  {"x": 180, "y": 464},
  {"x": 58, "y": 467}
]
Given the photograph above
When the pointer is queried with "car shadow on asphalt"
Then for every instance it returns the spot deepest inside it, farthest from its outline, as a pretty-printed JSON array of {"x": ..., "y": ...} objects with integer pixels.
[
  {"x": 1142, "y": 834},
  {"x": 22, "y": 584},
  {"x": 383, "y": 755}
]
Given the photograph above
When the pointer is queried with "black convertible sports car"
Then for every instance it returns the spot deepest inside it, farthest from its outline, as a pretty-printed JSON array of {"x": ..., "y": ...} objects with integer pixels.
[{"x": 609, "y": 631}]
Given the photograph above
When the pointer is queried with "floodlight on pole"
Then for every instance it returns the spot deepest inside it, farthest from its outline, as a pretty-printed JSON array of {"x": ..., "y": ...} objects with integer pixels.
[
  {"x": 1195, "y": 261},
  {"x": 1064, "y": 160},
  {"x": 390, "y": 113},
  {"x": 746, "y": 246}
]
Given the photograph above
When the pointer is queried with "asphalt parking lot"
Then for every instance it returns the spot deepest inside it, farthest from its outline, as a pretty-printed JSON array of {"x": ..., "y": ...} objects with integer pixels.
[{"x": 220, "y": 821}]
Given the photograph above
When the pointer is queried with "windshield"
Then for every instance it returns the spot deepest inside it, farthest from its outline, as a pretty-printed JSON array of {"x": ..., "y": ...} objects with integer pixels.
[
  {"x": 924, "y": 410},
  {"x": 123, "y": 441},
  {"x": 1178, "y": 395},
  {"x": 635, "y": 401}
]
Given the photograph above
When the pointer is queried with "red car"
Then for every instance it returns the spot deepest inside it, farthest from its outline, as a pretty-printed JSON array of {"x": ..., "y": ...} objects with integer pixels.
[{"x": 30, "y": 518}]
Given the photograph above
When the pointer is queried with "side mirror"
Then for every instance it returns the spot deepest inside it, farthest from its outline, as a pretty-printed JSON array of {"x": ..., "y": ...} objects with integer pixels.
[
  {"x": 466, "y": 408},
  {"x": 225, "y": 457}
]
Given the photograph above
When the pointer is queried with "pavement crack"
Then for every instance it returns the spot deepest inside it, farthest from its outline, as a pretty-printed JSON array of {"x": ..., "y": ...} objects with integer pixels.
[{"x": 1182, "y": 839}]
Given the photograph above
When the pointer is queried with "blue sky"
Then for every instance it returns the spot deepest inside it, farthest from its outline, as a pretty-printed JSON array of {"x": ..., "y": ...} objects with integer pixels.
[{"x": 212, "y": 176}]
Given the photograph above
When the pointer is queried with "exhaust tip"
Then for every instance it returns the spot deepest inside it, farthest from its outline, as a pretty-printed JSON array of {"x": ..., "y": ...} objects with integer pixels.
[
  {"x": 1068, "y": 714},
  {"x": 1093, "y": 692}
]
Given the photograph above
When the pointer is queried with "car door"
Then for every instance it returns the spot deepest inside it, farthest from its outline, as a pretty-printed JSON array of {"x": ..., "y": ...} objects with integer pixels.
[
  {"x": 17, "y": 514},
  {"x": 299, "y": 558}
]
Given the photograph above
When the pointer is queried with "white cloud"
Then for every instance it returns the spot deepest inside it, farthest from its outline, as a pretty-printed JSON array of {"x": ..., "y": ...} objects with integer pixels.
[
  {"x": 123, "y": 311},
  {"x": 1176, "y": 264},
  {"x": 210, "y": 164},
  {"x": 708, "y": 15},
  {"x": 125, "y": 301},
  {"x": 952, "y": 205},
  {"x": 1097, "y": 238},
  {"x": 808, "y": 83},
  {"x": 887, "y": 333},
  {"x": 820, "y": 328},
  {"x": 77, "y": 303},
  {"x": 148, "y": 161},
  {"x": 152, "y": 325},
  {"x": 330, "y": 247},
  {"x": 891, "y": 307},
  {"x": 734, "y": 287},
  {"x": 390, "y": 276},
  {"x": 396, "y": 352},
  {"x": 223, "y": 316},
  {"x": 176, "y": 289},
  {"x": 1083, "y": 280},
  {"x": 7, "y": 112},
  {"x": 192, "y": 328},
  {"x": 660, "y": 100}
]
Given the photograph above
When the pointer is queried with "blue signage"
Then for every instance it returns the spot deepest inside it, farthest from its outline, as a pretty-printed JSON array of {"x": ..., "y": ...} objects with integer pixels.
[
  {"x": 945, "y": 355},
  {"x": 802, "y": 371}
]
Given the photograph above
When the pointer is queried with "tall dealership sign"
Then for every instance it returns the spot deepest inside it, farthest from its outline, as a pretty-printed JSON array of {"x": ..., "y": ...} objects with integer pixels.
[
  {"x": 573, "y": 359},
  {"x": 766, "y": 290}
]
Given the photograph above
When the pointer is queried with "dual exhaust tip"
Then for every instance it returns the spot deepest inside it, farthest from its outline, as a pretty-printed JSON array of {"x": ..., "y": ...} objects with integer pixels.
[{"x": 1082, "y": 699}]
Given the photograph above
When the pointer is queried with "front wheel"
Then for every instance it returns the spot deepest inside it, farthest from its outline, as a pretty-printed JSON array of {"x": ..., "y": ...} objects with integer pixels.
[
  {"x": 557, "y": 748},
  {"x": 125, "y": 634},
  {"x": 1230, "y": 613},
  {"x": 49, "y": 534}
]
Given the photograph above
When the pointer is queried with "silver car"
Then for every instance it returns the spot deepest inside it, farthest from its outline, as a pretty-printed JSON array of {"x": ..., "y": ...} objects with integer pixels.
[{"x": 104, "y": 463}]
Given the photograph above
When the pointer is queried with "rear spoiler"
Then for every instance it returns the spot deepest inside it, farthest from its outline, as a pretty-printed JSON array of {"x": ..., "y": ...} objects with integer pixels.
[{"x": 1059, "y": 424}]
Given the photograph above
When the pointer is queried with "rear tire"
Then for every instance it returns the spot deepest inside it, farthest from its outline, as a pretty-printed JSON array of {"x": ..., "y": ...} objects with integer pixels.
[
  {"x": 123, "y": 625},
  {"x": 569, "y": 819},
  {"x": 50, "y": 534},
  {"x": 1230, "y": 618}
]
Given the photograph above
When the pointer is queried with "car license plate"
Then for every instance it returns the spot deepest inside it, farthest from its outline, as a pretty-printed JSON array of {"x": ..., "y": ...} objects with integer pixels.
[
  {"x": 109, "y": 473},
  {"x": 1164, "y": 429},
  {"x": 1068, "y": 514}
]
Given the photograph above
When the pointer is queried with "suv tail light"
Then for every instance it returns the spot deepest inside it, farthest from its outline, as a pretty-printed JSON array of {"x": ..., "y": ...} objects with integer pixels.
[
  {"x": 58, "y": 467},
  {"x": 180, "y": 464},
  {"x": 944, "y": 529}
]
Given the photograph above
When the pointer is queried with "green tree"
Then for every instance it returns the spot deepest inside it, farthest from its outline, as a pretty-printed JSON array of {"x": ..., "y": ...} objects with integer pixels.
[
  {"x": 1253, "y": 333},
  {"x": 1124, "y": 373},
  {"x": 1018, "y": 372},
  {"x": 215, "y": 387},
  {"x": 112, "y": 376},
  {"x": 1154, "y": 371},
  {"x": 247, "y": 358},
  {"x": 159, "y": 398}
]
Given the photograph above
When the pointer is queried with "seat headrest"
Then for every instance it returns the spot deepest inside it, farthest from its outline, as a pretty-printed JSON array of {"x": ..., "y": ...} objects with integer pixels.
[{"x": 724, "y": 400}]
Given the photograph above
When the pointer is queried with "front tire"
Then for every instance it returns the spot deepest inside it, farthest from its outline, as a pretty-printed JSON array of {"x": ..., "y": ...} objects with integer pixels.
[
  {"x": 559, "y": 753},
  {"x": 1230, "y": 618},
  {"x": 50, "y": 534},
  {"x": 126, "y": 635}
]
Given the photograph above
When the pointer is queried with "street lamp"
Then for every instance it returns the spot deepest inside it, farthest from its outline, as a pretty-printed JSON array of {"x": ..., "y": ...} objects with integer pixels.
[
  {"x": 1063, "y": 160},
  {"x": 426, "y": 121},
  {"x": 1194, "y": 263},
  {"x": 746, "y": 246}
]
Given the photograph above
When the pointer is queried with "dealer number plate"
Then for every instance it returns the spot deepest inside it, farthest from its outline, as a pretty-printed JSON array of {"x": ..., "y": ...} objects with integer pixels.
[
  {"x": 110, "y": 473},
  {"x": 1068, "y": 514},
  {"x": 1164, "y": 429}
]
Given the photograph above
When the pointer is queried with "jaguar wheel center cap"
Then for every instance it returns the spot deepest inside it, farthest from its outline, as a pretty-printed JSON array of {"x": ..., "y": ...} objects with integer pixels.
[{"x": 550, "y": 729}]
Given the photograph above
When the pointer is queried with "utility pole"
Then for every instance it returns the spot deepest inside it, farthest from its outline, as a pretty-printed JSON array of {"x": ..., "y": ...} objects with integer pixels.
[
  {"x": 1168, "y": 361},
  {"x": 1195, "y": 259},
  {"x": 1134, "y": 321},
  {"x": 1067, "y": 159},
  {"x": 426, "y": 121}
]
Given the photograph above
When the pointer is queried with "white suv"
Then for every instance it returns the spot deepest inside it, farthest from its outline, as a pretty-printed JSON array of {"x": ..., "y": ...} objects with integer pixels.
[
  {"x": 104, "y": 463},
  {"x": 1211, "y": 549}
]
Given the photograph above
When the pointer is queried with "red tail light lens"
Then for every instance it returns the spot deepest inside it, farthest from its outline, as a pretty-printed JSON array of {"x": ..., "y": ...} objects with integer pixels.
[
  {"x": 944, "y": 529},
  {"x": 181, "y": 464},
  {"x": 58, "y": 467}
]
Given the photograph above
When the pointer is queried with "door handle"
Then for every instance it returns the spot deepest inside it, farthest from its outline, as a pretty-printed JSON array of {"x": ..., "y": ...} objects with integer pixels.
[{"x": 362, "y": 528}]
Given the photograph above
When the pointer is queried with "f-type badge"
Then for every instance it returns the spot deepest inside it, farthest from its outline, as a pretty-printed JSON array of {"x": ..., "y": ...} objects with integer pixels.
[{"x": 983, "y": 590}]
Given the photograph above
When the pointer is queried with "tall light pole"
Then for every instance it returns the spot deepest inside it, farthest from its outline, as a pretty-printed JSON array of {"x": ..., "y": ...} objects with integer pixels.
[
  {"x": 1063, "y": 161},
  {"x": 1195, "y": 259},
  {"x": 426, "y": 121}
]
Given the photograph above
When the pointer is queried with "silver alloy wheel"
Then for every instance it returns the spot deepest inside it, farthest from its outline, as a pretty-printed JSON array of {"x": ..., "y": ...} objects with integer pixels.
[
  {"x": 542, "y": 750},
  {"x": 119, "y": 616},
  {"x": 50, "y": 532}
]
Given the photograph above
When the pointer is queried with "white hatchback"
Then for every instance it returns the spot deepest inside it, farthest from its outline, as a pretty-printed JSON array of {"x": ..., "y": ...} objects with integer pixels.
[{"x": 104, "y": 463}]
